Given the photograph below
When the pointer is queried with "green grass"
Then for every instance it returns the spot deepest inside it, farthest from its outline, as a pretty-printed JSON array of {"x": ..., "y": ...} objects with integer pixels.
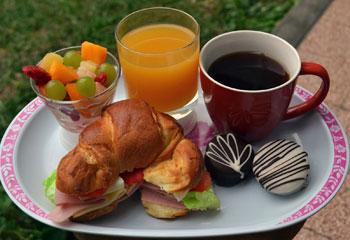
[{"x": 29, "y": 29}]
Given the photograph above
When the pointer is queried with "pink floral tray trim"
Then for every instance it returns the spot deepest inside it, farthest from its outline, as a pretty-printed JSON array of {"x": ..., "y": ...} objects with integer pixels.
[
  {"x": 6, "y": 158},
  {"x": 202, "y": 133},
  {"x": 339, "y": 162}
]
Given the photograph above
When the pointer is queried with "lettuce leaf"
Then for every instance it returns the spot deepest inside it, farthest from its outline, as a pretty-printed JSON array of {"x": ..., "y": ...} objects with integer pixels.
[
  {"x": 201, "y": 200},
  {"x": 50, "y": 187}
]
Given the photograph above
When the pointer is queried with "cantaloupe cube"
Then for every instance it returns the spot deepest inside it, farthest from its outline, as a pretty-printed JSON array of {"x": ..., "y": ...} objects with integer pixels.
[
  {"x": 83, "y": 106},
  {"x": 73, "y": 92},
  {"x": 93, "y": 52},
  {"x": 63, "y": 73},
  {"x": 48, "y": 59}
]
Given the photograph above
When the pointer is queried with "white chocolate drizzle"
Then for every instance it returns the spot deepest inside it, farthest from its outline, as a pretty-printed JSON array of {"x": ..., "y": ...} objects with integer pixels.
[
  {"x": 231, "y": 158},
  {"x": 281, "y": 166}
]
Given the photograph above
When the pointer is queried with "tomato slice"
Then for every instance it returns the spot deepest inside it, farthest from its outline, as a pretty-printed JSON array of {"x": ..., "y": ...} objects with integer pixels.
[
  {"x": 133, "y": 177},
  {"x": 204, "y": 183},
  {"x": 94, "y": 194}
]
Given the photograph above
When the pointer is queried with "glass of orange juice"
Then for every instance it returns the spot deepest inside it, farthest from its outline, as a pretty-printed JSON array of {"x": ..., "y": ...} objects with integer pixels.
[{"x": 158, "y": 49}]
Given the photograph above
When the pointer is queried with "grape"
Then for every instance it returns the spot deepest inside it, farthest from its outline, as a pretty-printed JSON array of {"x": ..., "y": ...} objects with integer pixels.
[
  {"x": 109, "y": 70},
  {"x": 55, "y": 90},
  {"x": 86, "y": 86},
  {"x": 72, "y": 58}
]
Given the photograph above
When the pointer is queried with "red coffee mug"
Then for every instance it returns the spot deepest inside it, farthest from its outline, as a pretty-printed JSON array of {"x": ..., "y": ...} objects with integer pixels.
[{"x": 253, "y": 114}]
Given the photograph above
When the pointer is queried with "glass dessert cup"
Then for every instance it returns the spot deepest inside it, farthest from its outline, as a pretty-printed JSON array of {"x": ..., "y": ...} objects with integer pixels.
[
  {"x": 158, "y": 49},
  {"x": 74, "y": 116}
]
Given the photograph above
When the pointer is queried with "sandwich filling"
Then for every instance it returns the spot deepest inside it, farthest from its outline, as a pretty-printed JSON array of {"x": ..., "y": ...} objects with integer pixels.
[
  {"x": 201, "y": 197},
  {"x": 152, "y": 193},
  {"x": 68, "y": 205}
]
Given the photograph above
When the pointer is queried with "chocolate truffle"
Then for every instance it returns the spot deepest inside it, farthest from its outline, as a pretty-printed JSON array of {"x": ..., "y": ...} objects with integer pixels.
[
  {"x": 281, "y": 167},
  {"x": 228, "y": 159}
]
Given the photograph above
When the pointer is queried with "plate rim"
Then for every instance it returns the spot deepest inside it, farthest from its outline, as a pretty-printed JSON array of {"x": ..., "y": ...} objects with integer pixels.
[{"x": 17, "y": 194}]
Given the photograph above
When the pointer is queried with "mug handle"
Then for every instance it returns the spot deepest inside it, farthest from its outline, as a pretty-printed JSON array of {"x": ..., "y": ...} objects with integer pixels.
[{"x": 320, "y": 95}]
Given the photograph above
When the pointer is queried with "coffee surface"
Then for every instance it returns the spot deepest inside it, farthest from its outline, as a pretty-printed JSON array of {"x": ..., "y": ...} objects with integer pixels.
[{"x": 248, "y": 71}]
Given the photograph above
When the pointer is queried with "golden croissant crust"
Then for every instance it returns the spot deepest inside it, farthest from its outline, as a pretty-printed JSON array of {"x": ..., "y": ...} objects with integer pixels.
[
  {"x": 180, "y": 172},
  {"x": 130, "y": 134}
]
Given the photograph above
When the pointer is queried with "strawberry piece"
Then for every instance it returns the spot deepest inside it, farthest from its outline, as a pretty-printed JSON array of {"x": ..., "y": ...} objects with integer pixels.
[
  {"x": 38, "y": 74},
  {"x": 102, "y": 78}
]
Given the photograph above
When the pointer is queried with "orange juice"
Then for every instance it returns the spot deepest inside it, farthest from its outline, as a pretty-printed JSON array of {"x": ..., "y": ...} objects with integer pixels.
[{"x": 160, "y": 65}]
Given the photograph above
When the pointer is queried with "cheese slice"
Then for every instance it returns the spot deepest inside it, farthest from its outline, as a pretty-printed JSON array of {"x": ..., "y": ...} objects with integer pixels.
[
  {"x": 109, "y": 198},
  {"x": 114, "y": 192},
  {"x": 119, "y": 184},
  {"x": 180, "y": 194}
]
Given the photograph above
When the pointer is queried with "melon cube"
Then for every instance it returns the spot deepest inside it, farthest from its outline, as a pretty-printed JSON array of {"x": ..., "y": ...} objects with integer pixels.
[
  {"x": 93, "y": 52},
  {"x": 72, "y": 91},
  {"x": 63, "y": 73}
]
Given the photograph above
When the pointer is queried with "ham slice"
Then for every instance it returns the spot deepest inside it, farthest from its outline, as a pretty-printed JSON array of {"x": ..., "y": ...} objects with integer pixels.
[
  {"x": 157, "y": 189},
  {"x": 62, "y": 212},
  {"x": 161, "y": 198},
  {"x": 63, "y": 198},
  {"x": 151, "y": 187},
  {"x": 178, "y": 196},
  {"x": 68, "y": 205},
  {"x": 130, "y": 191}
]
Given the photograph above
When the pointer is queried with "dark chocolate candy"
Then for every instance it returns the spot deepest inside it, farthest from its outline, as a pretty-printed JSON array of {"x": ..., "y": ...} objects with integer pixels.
[{"x": 228, "y": 159}]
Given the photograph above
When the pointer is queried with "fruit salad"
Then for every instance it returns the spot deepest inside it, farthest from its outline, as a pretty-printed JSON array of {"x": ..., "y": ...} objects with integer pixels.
[
  {"x": 75, "y": 84},
  {"x": 75, "y": 75}
]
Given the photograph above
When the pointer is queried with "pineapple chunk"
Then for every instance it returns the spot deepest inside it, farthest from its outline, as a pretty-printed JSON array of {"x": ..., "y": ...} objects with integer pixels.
[
  {"x": 83, "y": 72},
  {"x": 87, "y": 69},
  {"x": 89, "y": 65},
  {"x": 48, "y": 59}
]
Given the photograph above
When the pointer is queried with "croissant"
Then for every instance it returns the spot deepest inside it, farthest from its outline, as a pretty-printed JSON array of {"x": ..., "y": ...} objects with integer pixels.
[
  {"x": 174, "y": 176},
  {"x": 130, "y": 134}
]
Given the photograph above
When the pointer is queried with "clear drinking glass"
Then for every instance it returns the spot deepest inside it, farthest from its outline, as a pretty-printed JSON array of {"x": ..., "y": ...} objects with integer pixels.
[
  {"x": 158, "y": 49},
  {"x": 74, "y": 116}
]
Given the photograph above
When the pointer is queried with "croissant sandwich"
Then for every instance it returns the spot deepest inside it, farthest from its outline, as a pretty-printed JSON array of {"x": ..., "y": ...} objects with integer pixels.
[
  {"x": 179, "y": 184},
  {"x": 128, "y": 144}
]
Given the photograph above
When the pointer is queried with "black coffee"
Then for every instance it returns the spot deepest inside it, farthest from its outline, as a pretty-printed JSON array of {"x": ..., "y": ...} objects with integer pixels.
[{"x": 248, "y": 71}]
